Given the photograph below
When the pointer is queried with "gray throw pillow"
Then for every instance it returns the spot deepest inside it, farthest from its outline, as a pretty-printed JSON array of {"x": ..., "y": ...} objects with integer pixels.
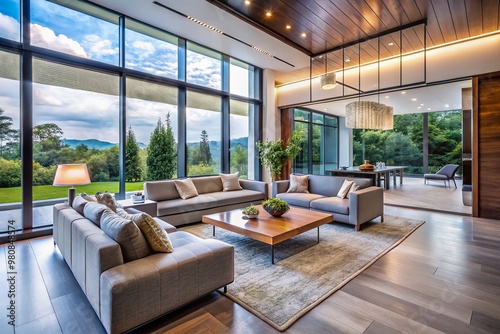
[{"x": 126, "y": 233}]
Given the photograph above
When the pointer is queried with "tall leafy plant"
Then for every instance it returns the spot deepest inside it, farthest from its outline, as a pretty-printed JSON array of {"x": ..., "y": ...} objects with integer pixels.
[{"x": 274, "y": 154}]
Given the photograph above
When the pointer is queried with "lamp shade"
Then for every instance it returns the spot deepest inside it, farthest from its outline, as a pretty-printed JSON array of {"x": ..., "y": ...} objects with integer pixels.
[
  {"x": 71, "y": 175},
  {"x": 328, "y": 80}
]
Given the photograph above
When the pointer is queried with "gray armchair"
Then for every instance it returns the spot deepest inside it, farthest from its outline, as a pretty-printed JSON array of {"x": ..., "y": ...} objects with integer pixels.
[{"x": 445, "y": 174}]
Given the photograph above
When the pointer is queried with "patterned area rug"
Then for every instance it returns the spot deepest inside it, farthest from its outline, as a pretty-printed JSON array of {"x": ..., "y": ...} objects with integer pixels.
[{"x": 305, "y": 273}]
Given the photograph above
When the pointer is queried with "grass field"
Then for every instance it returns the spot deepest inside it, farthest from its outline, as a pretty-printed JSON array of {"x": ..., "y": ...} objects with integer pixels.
[{"x": 12, "y": 195}]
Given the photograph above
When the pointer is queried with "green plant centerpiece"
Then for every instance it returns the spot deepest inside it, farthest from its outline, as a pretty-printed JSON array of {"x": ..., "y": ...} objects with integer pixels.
[
  {"x": 274, "y": 154},
  {"x": 275, "y": 206},
  {"x": 251, "y": 211}
]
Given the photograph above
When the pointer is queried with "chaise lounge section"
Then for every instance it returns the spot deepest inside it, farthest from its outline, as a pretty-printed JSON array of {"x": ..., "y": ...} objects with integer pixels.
[{"x": 358, "y": 207}]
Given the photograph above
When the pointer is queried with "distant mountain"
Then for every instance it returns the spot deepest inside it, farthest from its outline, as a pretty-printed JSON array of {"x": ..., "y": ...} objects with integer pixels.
[{"x": 93, "y": 143}]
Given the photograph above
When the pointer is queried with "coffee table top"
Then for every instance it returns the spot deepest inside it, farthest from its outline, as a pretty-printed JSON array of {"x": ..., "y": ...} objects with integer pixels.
[{"x": 266, "y": 228}]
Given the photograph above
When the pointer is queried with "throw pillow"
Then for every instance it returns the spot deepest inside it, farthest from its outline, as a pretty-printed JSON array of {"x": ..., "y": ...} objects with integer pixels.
[
  {"x": 156, "y": 236},
  {"x": 186, "y": 188},
  {"x": 108, "y": 200},
  {"x": 126, "y": 234},
  {"x": 345, "y": 188},
  {"x": 353, "y": 188},
  {"x": 78, "y": 204},
  {"x": 230, "y": 181},
  {"x": 298, "y": 184}
]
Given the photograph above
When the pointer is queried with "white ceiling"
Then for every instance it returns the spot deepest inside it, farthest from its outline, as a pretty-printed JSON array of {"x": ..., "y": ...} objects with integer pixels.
[{"x": 428, "y": 99}]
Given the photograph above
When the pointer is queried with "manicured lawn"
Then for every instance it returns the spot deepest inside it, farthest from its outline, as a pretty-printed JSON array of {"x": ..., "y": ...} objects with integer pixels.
[{"x": 10, "y": 195}]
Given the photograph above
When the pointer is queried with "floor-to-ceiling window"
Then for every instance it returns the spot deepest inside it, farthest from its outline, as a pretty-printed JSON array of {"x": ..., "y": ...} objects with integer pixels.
[
  {"x": 319, "y": 142},
  {"x": 87, "y": 97}
]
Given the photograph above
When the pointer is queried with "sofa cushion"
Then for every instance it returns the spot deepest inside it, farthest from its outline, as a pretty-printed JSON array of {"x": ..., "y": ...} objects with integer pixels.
[
  {"x": 331, "y": 204},
  {"x": 186, "y": 188},
  {"x": 346, "y": 185},
  {"x": 230, "y": 182},
  {"x": 78, "y": 204},
  {"x": 155, "y": 235},
  {"x": 126, "y": 233},
  {"x": 299, "y": 199},
  {"x": 209, "y": 200},
  {"x": 93, "y": 212},
  {"x": 298, "y": 184}
]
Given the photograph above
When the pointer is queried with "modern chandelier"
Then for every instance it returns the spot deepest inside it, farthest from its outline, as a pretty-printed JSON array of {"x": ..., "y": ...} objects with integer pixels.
[{"x": 369, "y": 115}]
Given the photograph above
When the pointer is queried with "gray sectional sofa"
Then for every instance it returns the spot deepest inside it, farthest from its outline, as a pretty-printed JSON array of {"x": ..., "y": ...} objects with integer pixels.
[
  {"x": 126, "y": 293},
  {"x": 211, "y": 199},
  {"x": 363, "y": 205}
]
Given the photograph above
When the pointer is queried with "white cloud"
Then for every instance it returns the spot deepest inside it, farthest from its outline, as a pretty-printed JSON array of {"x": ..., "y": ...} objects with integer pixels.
[
  {"x": 45, "y": 37},
  {"x": 98, "y": 46},
  {"x": 9, "y": 27}
]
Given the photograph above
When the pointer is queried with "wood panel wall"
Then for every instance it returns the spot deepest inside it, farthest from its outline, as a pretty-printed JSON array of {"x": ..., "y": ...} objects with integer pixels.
[{"x": 486, "y": 146}]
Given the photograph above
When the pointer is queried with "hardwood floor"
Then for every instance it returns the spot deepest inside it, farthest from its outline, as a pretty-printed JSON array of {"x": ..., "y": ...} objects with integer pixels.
[{"x": 444, "y": 278}]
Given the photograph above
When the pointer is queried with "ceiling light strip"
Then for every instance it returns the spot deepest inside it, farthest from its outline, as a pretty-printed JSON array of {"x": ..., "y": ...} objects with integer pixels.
[{"x": 208, "y": 26}]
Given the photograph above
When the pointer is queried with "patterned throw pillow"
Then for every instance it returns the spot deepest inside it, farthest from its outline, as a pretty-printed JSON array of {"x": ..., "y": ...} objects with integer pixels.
[
  {"x": 186, "y": 188},
  {"x": 298, "y": 184},
  {"x": 344, "y": 190},
  {"x": 230, "y": 182},
  {"x": 155, "y": 235},
  {"x": 107, "y": 199}
]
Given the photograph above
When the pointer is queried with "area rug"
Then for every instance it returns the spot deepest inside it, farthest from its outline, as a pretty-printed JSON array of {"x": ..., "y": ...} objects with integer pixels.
[{"x": 305, "y": 273}]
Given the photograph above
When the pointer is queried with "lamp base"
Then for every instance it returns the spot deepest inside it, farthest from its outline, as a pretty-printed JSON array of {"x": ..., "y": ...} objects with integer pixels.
[{"x": 71, "y": 195}]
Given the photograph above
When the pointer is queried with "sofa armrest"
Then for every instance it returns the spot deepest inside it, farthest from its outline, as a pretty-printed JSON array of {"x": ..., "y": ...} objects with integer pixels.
[
  {"x": 366, "y": 204},
  {"x": 280, "y": 187},
  {"x": 255, "y": 185}
]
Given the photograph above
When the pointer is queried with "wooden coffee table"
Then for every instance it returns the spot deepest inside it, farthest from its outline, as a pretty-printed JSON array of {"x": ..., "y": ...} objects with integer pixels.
[{"x": 267, "y": 228}]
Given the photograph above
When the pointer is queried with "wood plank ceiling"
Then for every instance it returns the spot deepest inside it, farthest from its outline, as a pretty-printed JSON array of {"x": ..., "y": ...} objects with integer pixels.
[{"x": 316, "y": 26}]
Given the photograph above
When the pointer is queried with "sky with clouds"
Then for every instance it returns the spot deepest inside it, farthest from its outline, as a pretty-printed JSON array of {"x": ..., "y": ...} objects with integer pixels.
[{"x": 89, "y": 115}]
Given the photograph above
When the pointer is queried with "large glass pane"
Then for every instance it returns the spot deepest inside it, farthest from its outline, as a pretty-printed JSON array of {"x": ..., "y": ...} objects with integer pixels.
[
  {"x": 203, "y": 132},
  {"x": 75, "y": 120},
  {"x": 87, "y": 32},
  {"x": 10, "y": 155},
  {"x": 203, "y": 66},
  {"x": 242, "y": 79},
  {"x": 9, "y": 20},
  {"x": 150, "y": 50},
  {"x": 151, "y": 144},
  {"x": 242, "y": 139},
  {"x": 301, "y": 162}
]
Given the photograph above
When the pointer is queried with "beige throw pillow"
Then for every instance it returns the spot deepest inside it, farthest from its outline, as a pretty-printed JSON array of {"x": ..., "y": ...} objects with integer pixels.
[
  {"x": 298, "y": 184},
  {"x": 353, "y": 188},
  {"x": 344, "y": 190},
  {"x": 230, "y": 182},
  {"x": 186, "y": 188},
  {"x": 156, "y": 236}
]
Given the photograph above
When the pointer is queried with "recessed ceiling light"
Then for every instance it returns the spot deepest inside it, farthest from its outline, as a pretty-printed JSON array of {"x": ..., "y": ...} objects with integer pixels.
[
  {"x": 303, "y": 34},
  {"x": 390, "y": 44},
  {"x": 288, "y": 26},
  {"x": 403, "y": 92},
  {"x": 268, "y": 14},
  {"x": 414, "y": 99},
  {"x": 446, "y": 105},
  {"x": 247, "y": 2}
]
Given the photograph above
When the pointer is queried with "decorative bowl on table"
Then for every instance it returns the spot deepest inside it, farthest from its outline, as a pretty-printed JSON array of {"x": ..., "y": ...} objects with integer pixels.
[
  {"x": 275, "y": 207},
  {"x": 251, "y": 212}
]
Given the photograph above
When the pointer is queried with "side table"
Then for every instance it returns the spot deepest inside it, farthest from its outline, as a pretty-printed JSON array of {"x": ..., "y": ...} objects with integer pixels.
[{"x": 148, "y": 206}]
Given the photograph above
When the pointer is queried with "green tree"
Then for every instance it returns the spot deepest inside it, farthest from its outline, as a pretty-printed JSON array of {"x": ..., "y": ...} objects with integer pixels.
[
  {"x": 157, "y": 153},
  {"x": 133, "y": 166},
  {"x": 205, "y": 156},
  {"x": 171, "y": 151},
  {"x": 6, "y": 131}
]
